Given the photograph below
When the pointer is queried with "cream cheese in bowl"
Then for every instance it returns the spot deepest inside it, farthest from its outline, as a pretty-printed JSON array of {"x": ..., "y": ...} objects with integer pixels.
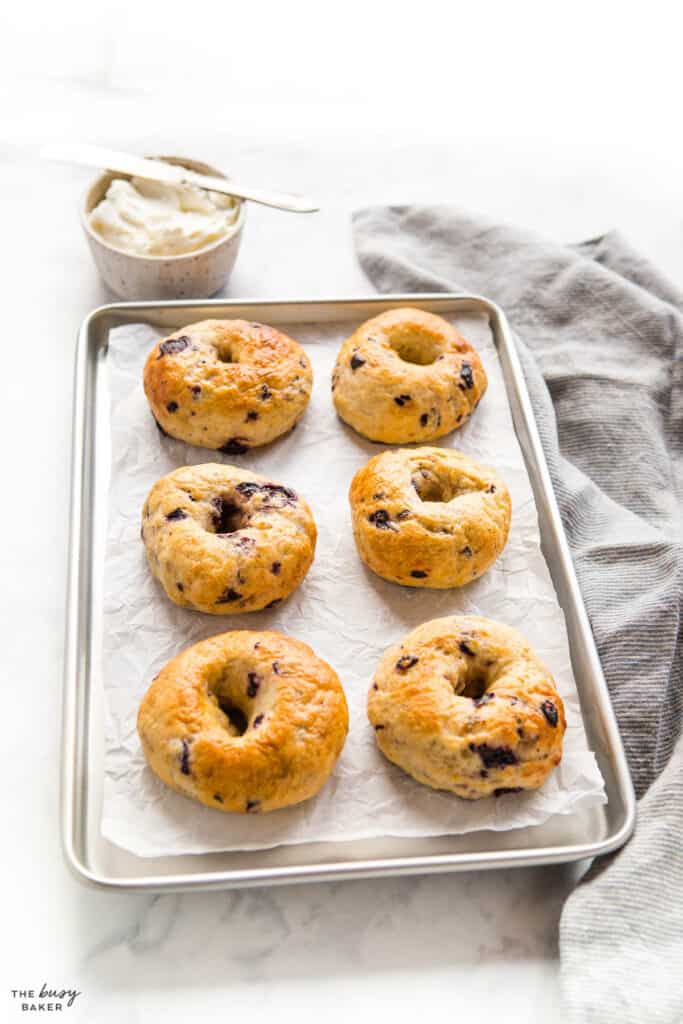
[
  {"x": 150, "y": 218},
  {"x": 153, "y": 240}
]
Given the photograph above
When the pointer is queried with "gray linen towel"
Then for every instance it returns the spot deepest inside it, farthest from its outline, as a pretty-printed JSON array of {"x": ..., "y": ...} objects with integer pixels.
[{"x": 602, "y": 352}]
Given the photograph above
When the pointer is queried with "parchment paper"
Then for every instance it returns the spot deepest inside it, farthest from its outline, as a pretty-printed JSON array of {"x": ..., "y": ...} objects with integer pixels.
[{"x": 346, "y": 613}]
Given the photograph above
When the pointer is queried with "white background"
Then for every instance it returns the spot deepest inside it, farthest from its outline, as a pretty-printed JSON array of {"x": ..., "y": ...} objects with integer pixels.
[{"x": 562, "y": 117}]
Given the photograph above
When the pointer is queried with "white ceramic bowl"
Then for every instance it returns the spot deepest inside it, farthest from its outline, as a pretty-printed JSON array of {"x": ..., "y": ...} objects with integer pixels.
[{"x": 192, "y": 275}]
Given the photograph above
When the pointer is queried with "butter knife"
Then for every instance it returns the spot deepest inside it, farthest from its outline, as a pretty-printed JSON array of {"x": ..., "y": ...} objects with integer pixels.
[{"x": 157, "y": 170}]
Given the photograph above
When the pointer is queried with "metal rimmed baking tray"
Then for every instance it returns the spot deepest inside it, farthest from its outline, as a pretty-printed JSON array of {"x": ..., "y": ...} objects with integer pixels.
[{"x": 581, "y": 835}]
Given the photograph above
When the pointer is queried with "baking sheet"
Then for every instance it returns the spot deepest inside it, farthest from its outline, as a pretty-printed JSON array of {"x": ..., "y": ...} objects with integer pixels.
[{"x": 348, "y": 615}]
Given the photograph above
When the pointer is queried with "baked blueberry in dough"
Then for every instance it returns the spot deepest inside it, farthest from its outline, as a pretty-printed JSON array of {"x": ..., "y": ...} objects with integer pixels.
[
  {"x": 223, "y": 540},
  {"x": 464, "y": 704},
  {"x": 429, "y": 517},
  {"x": 407, "y": 376},
  {"x": 245, "y": 721},
  {"x": 229, "y": 385}
]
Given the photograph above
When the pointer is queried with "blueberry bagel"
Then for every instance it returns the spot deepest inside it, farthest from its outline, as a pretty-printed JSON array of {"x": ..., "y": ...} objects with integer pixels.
[
  {"x": 228, "y": 385},
  {"x": 429, "y": 517},
  {"x": 245, "y": 721},
  {"x": 464, "y": 704},
  {"x": 223, "y": 540},
  {"x": 407, "y": 376}
]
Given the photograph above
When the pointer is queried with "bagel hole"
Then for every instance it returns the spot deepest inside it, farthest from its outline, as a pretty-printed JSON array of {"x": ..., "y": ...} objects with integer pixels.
[
  {"x": 238, "y": 719},
  {"x": 475, "y": 686},
  {"x": 226, "y": 517},
  {"x": 432, "y": 487},
  {"x": 224, "y": 353},
  {"x": 429, "y": 487},
  {"x": 415, "y": 348}
]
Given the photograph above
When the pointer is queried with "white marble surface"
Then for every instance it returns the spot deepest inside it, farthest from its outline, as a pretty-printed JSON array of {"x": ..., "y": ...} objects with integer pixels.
[{"x": 559, "y": 137}]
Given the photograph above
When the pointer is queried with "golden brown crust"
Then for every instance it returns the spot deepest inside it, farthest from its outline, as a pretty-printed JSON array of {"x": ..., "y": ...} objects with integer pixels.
[
  {"x": 464, "y": 704},
  {"x": 407, "y": 376},
  {"x": 429, "y": 517},
  {"x": 288, "y": 702},
  {"x": 223, "y": 540},
  {"x": 229, "y": 385}
]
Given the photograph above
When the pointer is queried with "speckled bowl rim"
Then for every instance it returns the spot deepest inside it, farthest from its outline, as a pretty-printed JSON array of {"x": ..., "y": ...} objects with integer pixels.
[{"x": 192, "y": 165}]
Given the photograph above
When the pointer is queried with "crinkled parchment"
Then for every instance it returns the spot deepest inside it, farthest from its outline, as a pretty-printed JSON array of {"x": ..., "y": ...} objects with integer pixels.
[{"x": 346, "y": 613}]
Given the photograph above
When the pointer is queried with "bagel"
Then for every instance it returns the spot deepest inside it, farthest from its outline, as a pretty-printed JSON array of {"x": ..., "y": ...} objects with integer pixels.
[
  {"x": 428, "y": 517},
  {"x": 228, "y": 385},
  {"x": 224, "y": 540},
  {"x": 464, "y": 704},
  {"x": 407, "y": 376},
  {"x": 245, "y": 721}
]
